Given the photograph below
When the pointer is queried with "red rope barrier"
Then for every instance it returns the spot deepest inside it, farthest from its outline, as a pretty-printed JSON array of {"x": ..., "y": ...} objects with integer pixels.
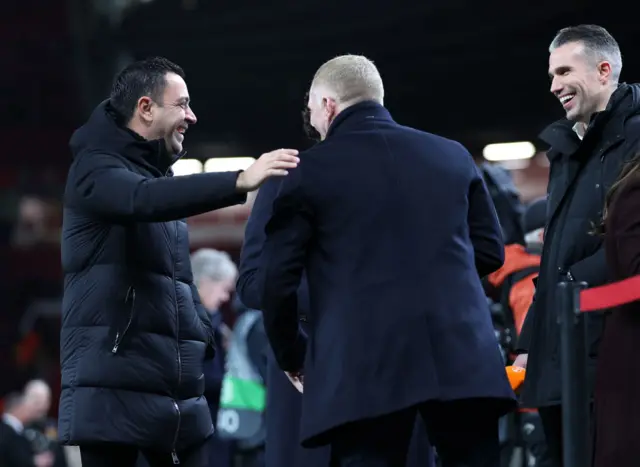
[{"x": 610, "y": 295}]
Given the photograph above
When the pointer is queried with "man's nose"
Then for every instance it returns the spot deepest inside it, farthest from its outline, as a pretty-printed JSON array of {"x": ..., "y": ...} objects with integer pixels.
[
  {"x": 191, "y": 117},
  {"x": 556, "y": 86}
]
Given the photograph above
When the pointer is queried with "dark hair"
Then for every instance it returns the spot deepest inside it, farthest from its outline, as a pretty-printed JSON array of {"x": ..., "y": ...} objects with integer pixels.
[
  {"x": 630, "y": 171},
  {"x": 598, "y": 43},
  {"x": 311, "y": 132},
  {"x": 142, "y": 78}
]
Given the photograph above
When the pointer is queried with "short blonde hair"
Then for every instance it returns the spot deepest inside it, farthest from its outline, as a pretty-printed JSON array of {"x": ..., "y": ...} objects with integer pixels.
[{"x": 351, "y": 78}]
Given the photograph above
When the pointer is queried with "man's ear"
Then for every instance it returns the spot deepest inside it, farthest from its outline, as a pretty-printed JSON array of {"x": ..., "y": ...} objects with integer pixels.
[
  {"x": 604, "y": 72},
  {"x": 144, "y": 109}
]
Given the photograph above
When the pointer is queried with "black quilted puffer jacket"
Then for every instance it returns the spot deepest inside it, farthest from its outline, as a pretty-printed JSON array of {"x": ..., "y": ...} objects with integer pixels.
[{"x": 134, "y": 333}]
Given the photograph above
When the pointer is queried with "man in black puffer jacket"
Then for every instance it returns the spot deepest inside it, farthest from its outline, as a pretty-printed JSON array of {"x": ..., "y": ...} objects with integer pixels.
[{"x": 134, "y": 333}]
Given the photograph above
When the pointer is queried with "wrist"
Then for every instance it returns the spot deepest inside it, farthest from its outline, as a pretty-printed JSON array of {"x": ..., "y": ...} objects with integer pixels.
[{"x": 241, "y": 184}]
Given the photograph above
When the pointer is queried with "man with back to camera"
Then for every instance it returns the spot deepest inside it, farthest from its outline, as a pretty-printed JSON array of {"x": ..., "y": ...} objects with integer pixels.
[
  {"x": 393, "y": 227},
  {"x": 587, "y": 151},
  {"x": 134, "y": 333},
  {"x": 284, "y": 402}
]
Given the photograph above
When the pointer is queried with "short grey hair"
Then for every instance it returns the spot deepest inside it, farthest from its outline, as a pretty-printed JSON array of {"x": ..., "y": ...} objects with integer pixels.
[
  {"x": 211, "y": 264},
  {"x": 352, "y": 79},
  {"x": 36, "y": 387},
  {"x": 598, "y": 44}
]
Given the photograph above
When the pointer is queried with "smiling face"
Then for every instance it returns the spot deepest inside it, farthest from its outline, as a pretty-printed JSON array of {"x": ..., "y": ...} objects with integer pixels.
[
  {"x": 581, "y": 84},
  {"x": 170, "y": 118}
]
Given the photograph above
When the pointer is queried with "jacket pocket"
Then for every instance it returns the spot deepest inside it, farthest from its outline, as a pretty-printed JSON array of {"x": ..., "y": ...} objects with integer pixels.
[{"x": 130, "y": 301}]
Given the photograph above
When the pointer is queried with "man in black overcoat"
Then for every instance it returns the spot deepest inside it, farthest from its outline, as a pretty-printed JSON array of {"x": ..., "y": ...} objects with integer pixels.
[{"x": 393, "y": 228}]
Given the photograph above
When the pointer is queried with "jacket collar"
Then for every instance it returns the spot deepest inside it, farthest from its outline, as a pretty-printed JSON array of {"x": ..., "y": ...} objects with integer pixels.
[
  {"x": 13, "y": 422},
  {"x": 152, "y": 153},
  {"x": 356, "y": 114},
  {"x": 562, "y": 137}
]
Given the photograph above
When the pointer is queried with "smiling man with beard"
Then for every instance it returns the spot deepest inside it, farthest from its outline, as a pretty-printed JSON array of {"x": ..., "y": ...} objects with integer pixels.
[
  {"x": 134, "y": 333},
  {"x": 587, "y": 151}
]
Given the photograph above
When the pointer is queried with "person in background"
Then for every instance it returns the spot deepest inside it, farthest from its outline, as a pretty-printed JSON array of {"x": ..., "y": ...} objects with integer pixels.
[
  {"x": 509, "y": 209},
  {"x": 617, "y": 390},
  {"x": 243, "y": 402},
  {"x": 514, "y": 282},
  {"x": 16, "y": 448},
  {"x": 512, "y": 285},
  {"x": 600, "y": 131},
  {"x": 507, "y": 201},
  {"x": 215, "y": 274},
  {"x": 521, "y": 294},
  {"x": 42, "y": 431},
  {"x": 510, "y": 288}
]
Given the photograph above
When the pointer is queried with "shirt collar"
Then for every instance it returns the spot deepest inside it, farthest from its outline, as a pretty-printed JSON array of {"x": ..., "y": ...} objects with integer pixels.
[
  {"x": 13, "y": 422},
  {"x": 580, "y": 129}
]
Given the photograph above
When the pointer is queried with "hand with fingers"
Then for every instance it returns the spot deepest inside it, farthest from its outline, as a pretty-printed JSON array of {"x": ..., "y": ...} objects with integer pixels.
[{"x": 271, "y": 164}]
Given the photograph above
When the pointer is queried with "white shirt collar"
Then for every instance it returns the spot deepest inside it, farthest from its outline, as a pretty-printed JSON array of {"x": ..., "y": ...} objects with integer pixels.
[
  {"x": 580, "y": 129},
  {"x": 13, "y": 422}
]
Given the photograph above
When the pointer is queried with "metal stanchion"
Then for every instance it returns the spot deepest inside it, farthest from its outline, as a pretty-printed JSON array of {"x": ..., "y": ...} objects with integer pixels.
[{"x": 575, "y": 391}]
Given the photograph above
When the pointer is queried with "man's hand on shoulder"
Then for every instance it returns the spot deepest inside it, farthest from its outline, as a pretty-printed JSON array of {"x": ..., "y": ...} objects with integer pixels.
[{"x": 271, "y": 164}]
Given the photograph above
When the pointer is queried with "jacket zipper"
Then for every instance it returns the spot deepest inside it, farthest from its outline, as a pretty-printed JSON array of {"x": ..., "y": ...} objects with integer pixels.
[
  {"x": 174, "y": 455},
  {"x": 131, "y": 292}
]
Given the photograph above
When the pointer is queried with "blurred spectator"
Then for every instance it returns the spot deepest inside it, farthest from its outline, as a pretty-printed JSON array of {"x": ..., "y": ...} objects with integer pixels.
[
  {"x": 42, "y": 431},
  {"x": 31, "y": 225},
  {"x": 35, "y": 218},
  {"x": 17, "y": 441},
  {"x": 242, "y": 406},
  {"x": 512, "y": 290},
  {"x": 214, "y": 274},
  {"x": 506, "y": 198}
]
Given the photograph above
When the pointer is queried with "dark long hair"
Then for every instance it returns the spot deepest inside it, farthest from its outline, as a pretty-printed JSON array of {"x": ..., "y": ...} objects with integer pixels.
[{"x": 630, "y": 171}]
